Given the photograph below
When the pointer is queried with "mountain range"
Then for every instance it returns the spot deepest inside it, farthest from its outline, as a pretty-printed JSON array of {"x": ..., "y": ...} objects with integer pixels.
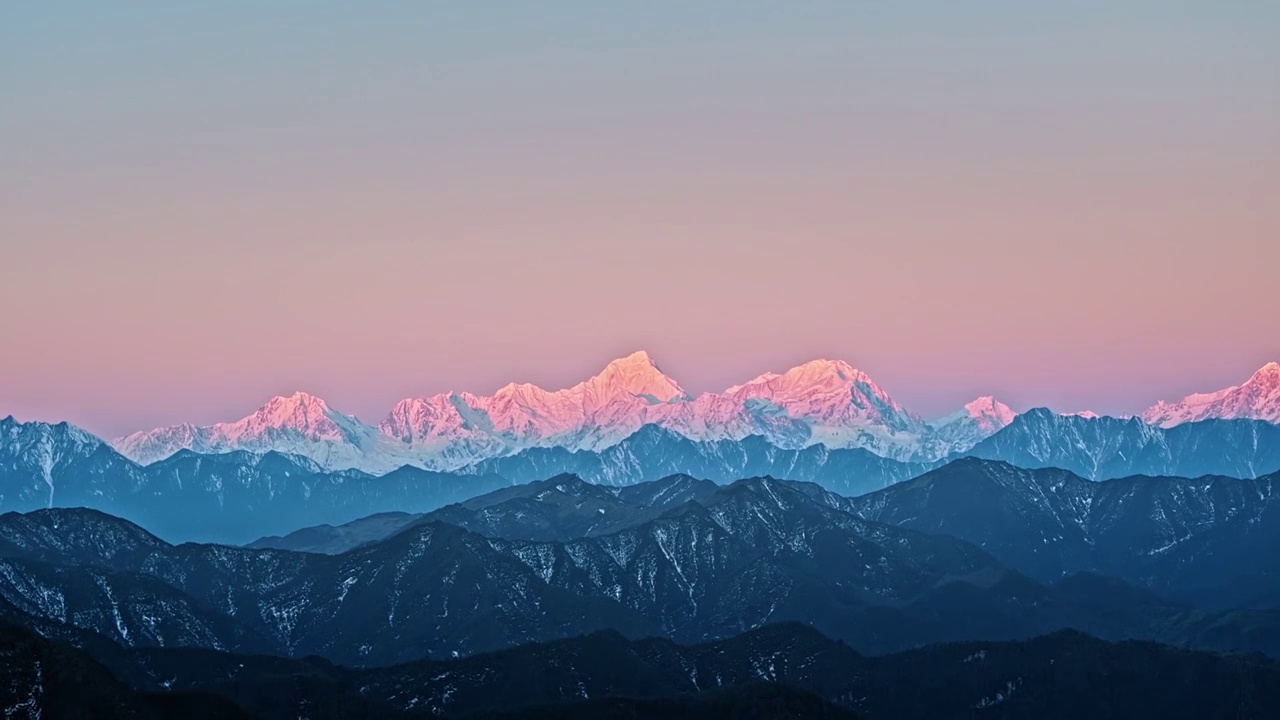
[
  {"x": 238, "y": 496},
  {"x": 1096, "y": 448},
  {"x": 231, "y": 497},
  {"x": 952, "y": 588},
  {"x": 715, "y": 562},
  {"x": 1204, "y": 541},
  {"x": 778, "y": 671},
  {"x": 1258, "y": 398},
  {"x": 822, "y": 402}
]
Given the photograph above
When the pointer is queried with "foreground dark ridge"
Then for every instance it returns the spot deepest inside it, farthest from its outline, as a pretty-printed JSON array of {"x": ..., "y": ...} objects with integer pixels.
[{"x": 1064, "y": 675}]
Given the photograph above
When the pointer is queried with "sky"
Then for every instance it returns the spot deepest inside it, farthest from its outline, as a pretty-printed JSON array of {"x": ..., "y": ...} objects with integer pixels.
[{"x": 205, "y": 204}]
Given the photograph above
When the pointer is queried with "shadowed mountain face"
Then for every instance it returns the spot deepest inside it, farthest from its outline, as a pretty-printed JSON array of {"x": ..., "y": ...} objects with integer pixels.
[
  {"x": 1207, "y": 541},
  {"x": 564, "y": 507},
  {"x": 1101, "y": 448},
  {"x": 653, "y": 453},
  {"x": 228, "y": 498},
  {"x": 726, "y": 560},
  {"x": 335, "y": 539},
  {"x": 1095, "y": 448},
  {"x": 44, "y": 679},
  {"x": 1210, "y": 539},
  {"x": 784, "y": 670},
  {"x": 240, "y": 496},
  {"x": 697, "y": 571}
]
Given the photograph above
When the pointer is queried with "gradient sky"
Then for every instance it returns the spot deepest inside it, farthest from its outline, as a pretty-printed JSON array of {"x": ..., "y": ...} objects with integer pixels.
[{"x": 206, "y": 203}]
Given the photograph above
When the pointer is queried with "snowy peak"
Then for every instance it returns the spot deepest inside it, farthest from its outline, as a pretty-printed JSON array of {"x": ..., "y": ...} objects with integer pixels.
[
  {"x": 832, "y": 390},
  {"x": 635, "y": 375},
  {"x": 1257, "y": 399},
  {"x": 40, "y": 452},
  {"x": 594, "y": 413},
  {"x": 990, "y": 414},
  {"x": 810, "y": 379},
  {"x": 761, "y": 379},
  {"x": 827, "y": 402},
  {"x": 817, "y": 374},
  {"x": 298, "y": 424},
  {"x": 15, "y": 435},
  {"x": 1268, "y": 375},
  {"x": 303, "y": 412},
  {"x": 973, "y": 423}
]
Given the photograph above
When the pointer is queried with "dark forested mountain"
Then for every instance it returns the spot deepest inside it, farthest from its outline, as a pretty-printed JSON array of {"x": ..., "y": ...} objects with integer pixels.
[
  {"x": 40, "y": 678},
  {"x": 334, "y": 539},
  {"x": 1100, "y": 448},
  {"x": 230, "y": 498},
  {"x": 564, "y": 507},
  {"x": 784, "y": 670},
  {"x": 750, "y": 553},
  {"x": 1211, "y": 539},
  {"x": 436, "y": 591}
]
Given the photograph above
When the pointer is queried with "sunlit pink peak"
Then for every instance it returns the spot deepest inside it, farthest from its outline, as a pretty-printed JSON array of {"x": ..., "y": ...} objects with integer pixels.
[
  {"x": 815, "y": 376},
  {"x": 307, "y": 414},
  {"x": 415, "y": 409},
  {"x": 300, "y": 409},
  {"x": 840, "y": 403},
  {"x": 759, "y": 380},
  {"x": 639, "y": 358},
  {"x": 1268, "y": 374},
  {"x": 522, "y": 392},
  {"x": 1086, "y": 414},
  {"x": 974, "y": 422},
  {"x": 445, "y": 417},
  {"x": 1257, "y": 399},
  {"x": 836, "y": 379},
  {"x": 827, "y": 402},
  {"x": 990, "y": 413},
  {"x": 828, "y": 370},
  {"x": 635, "y": 375}
]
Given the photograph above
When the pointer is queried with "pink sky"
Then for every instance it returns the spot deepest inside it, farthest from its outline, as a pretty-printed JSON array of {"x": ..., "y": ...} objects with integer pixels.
[{"x": 410, "y": 213}]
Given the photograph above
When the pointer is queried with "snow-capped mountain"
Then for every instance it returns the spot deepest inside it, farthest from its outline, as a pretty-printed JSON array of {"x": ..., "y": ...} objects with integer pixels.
[
  {"x": 461, "y": 427},
  {"x": 826, "y": 402},
  {"x": 34, "y": 456},
  {"x": 822, "y": 401},
  {"x": 300, "y": 424},
  {"x": 1257, "y": 399},
  {"x": 973, "y": 423}
]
